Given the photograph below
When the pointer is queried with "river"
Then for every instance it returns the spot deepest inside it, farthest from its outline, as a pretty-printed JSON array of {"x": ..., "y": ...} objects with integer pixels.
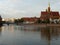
[{"x": 16, "y": 35}]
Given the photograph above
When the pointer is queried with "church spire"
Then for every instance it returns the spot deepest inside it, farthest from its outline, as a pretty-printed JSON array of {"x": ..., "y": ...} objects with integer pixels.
[
  {"x": 49, "y": 4},
  {"x": 49, "y": 7}
]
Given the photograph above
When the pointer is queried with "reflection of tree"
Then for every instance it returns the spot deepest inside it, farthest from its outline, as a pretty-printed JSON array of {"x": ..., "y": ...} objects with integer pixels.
[
  {"x": 27, "y": 28},
  {"x": 0, "y": 30},
  {"x": 49, "y": 33}
]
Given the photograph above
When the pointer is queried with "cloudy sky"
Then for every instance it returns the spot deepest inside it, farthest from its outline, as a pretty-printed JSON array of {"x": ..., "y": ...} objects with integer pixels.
[{"x": 26, "y": 8}]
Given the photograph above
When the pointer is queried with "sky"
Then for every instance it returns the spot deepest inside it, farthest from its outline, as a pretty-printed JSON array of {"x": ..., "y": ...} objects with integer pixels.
[{"x": 26, "y": 8}]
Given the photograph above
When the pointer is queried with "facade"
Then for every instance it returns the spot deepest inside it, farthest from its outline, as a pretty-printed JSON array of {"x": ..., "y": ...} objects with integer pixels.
[{"x": 53, "y": 16}]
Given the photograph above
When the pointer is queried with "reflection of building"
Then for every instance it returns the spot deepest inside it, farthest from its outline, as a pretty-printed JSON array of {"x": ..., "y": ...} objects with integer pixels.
[
  {"x": 50, "y": 33},
  {"x": 48, "y": 14}
]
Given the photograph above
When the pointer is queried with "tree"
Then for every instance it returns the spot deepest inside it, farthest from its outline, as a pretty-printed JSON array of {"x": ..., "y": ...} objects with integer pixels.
[
  {"x": 46, "y": 21},
  {"x": 38, "y": 21},
  {"x": 19, "y": 21}
]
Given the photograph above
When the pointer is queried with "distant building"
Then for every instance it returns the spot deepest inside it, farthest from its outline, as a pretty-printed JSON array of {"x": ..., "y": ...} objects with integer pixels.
[
  {"x": 48, "y": 14},
  {"x": 52, "y": 16},
  {"x": 30, "y": 20}
]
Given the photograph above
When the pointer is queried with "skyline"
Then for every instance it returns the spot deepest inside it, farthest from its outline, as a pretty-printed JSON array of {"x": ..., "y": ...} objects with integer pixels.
[{"x": 26, "y": 8}]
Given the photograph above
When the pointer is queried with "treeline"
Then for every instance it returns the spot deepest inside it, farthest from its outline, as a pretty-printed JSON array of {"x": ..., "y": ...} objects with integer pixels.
[
  {"x": 18, "y": 21},
  {"x": 43, "y": 21},
  {"x": 38, "y": 21}
]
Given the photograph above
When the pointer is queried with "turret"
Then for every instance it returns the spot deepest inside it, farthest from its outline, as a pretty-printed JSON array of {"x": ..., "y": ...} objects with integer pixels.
[{"x": 46, "y": 10}]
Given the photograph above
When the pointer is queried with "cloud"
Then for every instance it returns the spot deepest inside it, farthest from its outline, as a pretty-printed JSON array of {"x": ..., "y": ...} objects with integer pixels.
[
  {"x": 14, "y": 1},
  {"x": 21, "y": 8},
  {"x": 12, "y": 12},
  {"x": 56, "y": 6}
]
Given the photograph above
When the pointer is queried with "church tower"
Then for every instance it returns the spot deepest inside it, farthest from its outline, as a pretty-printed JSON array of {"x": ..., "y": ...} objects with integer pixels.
[{"x": 49, "y": 8}]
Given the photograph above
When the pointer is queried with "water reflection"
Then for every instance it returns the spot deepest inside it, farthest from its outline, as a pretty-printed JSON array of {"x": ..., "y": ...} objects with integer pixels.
[
  {"x": 0, "y": 29},
  {"x": 11, "y": 28},
  {"x": 47, "y": 33},
  {"x": 50, "y": 33},
  {"x": 27, "y": 28},
  {"x": 29, "y": 35}
]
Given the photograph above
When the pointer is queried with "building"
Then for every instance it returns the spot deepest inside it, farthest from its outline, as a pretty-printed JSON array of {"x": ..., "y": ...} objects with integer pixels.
[
  {"x": 30, "y": 19},
  {"x": 53, "y": 16}
]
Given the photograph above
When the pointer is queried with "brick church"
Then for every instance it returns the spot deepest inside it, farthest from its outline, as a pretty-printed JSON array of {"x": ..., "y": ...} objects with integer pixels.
[
  {"x": 48, "y": 14},
  {"x": 53, "y": 16}
]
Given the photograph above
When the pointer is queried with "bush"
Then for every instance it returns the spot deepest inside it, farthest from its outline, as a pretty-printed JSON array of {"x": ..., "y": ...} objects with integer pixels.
[
  {"x": 38, "y": 21},
  {"x": 19, "y": 21}
]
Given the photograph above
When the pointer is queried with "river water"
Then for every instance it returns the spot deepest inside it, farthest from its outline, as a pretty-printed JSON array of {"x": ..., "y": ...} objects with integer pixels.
[{"x": 18, "y": 35}]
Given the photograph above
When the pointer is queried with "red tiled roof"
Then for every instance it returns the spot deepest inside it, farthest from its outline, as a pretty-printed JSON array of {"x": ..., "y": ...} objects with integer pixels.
[
  {"x": 32, "y": 19},
  {"x": 52, "y": 15},
  {"x": 44, "y": 13}
]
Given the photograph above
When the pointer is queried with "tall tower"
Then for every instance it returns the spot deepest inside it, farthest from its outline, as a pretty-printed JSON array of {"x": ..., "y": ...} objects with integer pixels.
[{"x": 49, "y": 7}]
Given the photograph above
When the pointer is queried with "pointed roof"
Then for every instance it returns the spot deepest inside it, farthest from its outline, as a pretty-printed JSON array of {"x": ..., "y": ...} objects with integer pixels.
[{"x": 49, "y": 4}]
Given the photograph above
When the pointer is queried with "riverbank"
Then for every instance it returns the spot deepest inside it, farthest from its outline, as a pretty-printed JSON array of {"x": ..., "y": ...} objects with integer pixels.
[{"x": 40, "y": 25}]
